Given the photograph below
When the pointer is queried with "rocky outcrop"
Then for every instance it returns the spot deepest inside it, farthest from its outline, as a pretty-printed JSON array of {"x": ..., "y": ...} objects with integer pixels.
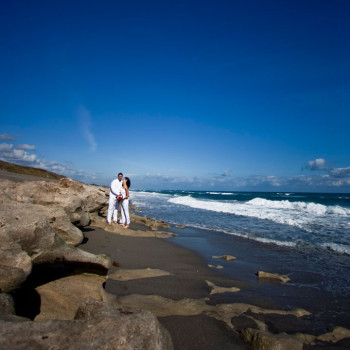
[
  {"x": 39, "y": 227},
  {"x": 60, "y": 299},
  {"x": 7, "y": 306},
  {"x": 259, "y": 340},
  {"x": 98, "y": 219},
  {"x": 97, "y": 325},
  {"x": 63, "y": 204},
  {"x": 153, "y": 225},
  {"x": 28, "y": 239}
]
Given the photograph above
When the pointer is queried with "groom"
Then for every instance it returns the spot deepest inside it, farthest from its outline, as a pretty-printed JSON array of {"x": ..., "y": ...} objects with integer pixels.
[{"x": 113, "y": 204}]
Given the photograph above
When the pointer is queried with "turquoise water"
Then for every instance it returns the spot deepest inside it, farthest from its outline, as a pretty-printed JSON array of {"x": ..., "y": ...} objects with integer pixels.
[{"x": 303, "y": 220}]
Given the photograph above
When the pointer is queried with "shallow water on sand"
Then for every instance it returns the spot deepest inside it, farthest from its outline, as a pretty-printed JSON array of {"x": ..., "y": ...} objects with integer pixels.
[{"x": 316, "y": 285}]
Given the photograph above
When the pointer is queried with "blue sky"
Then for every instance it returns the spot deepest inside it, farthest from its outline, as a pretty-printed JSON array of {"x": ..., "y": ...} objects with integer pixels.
[{"x": 231, "y": 95}]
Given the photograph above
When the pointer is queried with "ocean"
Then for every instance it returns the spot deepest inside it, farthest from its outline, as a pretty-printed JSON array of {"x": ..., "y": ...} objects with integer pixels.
[
  {"x": 319, "y": 221},
  {"x": 303, "y": 235}
]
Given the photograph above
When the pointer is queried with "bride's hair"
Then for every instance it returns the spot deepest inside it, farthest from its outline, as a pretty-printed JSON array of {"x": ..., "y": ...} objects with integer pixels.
[{"x": 127, "y": 181}]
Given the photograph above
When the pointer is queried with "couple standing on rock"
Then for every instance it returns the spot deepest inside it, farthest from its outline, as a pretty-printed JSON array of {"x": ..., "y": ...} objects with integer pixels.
[{"x": 119, "y": 196}]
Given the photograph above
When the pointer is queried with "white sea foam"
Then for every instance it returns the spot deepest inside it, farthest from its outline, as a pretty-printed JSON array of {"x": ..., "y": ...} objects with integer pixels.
[
  {"x": 263, "y": 239},
  {"x": 339, "y": 248},
  {"x": 299, "y": 214},
  {"x": 148, "y": 194},
  {"x": 251, "y": 237},
  {"x": 222, "y": 193}
]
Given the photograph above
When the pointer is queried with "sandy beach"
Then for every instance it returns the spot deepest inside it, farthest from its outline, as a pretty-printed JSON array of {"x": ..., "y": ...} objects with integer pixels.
[
  {"x": 185, "y": 286},
  {"x": 188, "y": 273}
]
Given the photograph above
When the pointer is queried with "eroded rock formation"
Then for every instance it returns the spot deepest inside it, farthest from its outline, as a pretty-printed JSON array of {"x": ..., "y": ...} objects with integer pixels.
[
  {"x": 40, "y": 226},
  {"x": 97, "y": 325}
]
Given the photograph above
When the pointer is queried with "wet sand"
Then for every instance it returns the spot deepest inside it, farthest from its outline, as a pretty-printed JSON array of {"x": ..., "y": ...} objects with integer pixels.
[
  {"x": 187, "y": 280},
  {"x": 189, "y": 272},
  {"x": 319, "y": 282}
]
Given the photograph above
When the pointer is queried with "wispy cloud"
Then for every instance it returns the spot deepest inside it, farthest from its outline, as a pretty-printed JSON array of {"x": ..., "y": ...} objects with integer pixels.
[
  {"x": 7, "y": 137},
  {"x": 26, "y": 147},
  {"x": 84, "y": 117}
]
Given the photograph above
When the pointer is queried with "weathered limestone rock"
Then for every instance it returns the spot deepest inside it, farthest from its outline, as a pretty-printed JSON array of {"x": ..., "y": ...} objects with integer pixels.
[
  {"x": 337, "y": 334},
  {"x": 69, "y": 254},
  {"x": 216, "y": 266},
  {"x": 152, "y": 224},
  {"x": 218, "y": 290},
  {"x": 59, "y": 217},
  {"x": 99, "y": 221},
  {"x": 81, "y": 218},
  {"x": 260, "y": 340},
  {"x": 11, "y": 278},
  {"x": 7, "y": 305},
  {"x": 60, "y": 298},
  {"x": 161, "y": 306},
  {"x": 62, "y": 203},
  {"x": 36, "y": 227},
  {"x": 34, "y": 234},
  {"x": 71, "y": 195},
  {"x": 97, "y": 325},
  {"x": 262, "y": 274}
]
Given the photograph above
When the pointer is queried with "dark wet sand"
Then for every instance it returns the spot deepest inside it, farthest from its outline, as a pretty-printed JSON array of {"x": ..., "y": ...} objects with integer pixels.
[
  {"x": 189, "y": 272},
  {"x": 312, "y": 286},
  {"x": 188, "y": 281}
]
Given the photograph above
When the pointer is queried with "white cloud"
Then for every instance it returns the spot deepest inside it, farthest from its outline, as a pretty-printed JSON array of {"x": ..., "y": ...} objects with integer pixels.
[
  {"x": 340, "y": 172},
  {"x": 26, "y": 147},
  {"x": 339, "y": 181},
  {"x": 6, "y": 147},
  {"x": 335, "y": 177},
  {"x": 16, "y": 155},
  {"x": 318, "y": 164},
  {"x": 84, "y": 117},
  {"x": 7, "y": 137},
  {"x": 11, "y": 154}
]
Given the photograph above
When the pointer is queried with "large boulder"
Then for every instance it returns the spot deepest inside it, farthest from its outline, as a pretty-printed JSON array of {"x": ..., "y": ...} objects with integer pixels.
[
  {"x": 60, "y": 299},
  {"x": 64, "y": 204},
  {"x": 7, "y": 305},
  {"x": 97, "y": 325},
  {"x": 32, "y": 233},
  {"x": 262, "y": 340},
  {"x": 71, "y": 195}
]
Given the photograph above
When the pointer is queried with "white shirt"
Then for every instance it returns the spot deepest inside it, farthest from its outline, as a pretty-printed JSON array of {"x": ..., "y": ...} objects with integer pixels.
[{"x": 116, "y": 187}]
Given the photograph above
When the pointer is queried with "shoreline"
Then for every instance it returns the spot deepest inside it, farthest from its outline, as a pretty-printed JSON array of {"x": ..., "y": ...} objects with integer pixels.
[
  {"x": 187, "y": 273},
  {"x": 306, "y": 288},
  {"x": 191, "y": 283}
]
